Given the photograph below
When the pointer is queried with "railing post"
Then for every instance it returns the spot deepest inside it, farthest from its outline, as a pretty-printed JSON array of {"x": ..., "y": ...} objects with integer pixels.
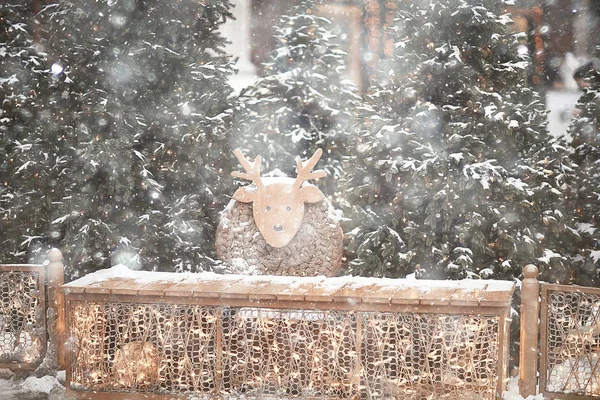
[
  {"x": 530, "y": 311},
  {"x": 56, "y": 303}
]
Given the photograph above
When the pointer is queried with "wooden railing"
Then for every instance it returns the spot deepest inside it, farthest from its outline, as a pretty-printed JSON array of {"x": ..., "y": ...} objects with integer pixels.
[
  {"x": 176, "y": 335},
  {"x": 28, "y": 312},
  {"x": 560, "y": 327}
]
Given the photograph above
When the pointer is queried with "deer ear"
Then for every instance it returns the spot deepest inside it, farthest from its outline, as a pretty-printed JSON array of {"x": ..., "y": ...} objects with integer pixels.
[
  {"x": 311, "y": 194},
  {"x": 244, "y": 195}
]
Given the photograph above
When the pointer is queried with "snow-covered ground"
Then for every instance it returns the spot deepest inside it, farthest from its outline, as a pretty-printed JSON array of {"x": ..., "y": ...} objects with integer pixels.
[
  {"x": 32, "y": 388},
  {"x": 51, "y": 388},
  {"x": 513, "y": 392}
]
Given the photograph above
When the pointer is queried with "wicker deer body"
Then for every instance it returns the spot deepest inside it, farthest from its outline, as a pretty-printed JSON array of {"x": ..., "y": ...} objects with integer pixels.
[{"x": 279, "y": 226}]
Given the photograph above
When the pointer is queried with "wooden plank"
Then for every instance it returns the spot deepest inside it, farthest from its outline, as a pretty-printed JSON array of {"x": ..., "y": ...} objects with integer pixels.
[
  {"x": 21, "y": 268},
  {"x": 213, "y": 289},
  {"x": 571, "y": 288},
  {"x": 325, "y": 293},
  {"x": 496, "y": 298},
  {"x": 127, "y": 286},
  {"x": 380, "y": 294},
  {"x": 182, "y": 289},
  {"x": 352, "y": 293},
  {"x": 16, "y": 366},
  {"x": 155, "y": 288},
  {"x": 105, "y": 287},
  {"x": 295, "y": 292},
  {"x": 242, "y": 289},
  {"x": 72, "y": 289},
  {"x": 408, "y": 295},
  {"x": 467, "y": 297},
  {"x": 437, "y": 296},
  {"x": 98, "y": 395},
  {"x": 268, "y": 292}
]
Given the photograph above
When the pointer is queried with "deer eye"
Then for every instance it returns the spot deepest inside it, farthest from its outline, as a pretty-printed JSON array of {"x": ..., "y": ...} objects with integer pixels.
[
  {"x": 268, "y": 208},
  {"x": 288, "y": 208}
]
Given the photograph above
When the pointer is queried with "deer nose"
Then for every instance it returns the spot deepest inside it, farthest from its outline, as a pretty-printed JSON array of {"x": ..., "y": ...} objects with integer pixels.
[{"x": 278, "y": 228}]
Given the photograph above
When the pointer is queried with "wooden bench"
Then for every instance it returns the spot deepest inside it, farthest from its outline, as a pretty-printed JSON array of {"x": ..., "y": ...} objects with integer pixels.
[{"x": 143, "y": 335}]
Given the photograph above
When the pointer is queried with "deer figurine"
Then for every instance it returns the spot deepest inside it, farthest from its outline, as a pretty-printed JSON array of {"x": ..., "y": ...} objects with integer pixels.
[{"x": 280, "y": 226}]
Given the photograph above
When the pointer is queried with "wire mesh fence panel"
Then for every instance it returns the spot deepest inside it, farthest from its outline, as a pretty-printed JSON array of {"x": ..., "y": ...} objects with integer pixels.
[
  {"x": 281, "y": 353},
  {"x": 143, "y": 348},
  {"x": 422, "y": 356},
  {"x": 570, "y": 340},
  {"x": 271, "y": 352},
  {"x": 22, "y": 316},
  {"x": 218, "y": 336}
]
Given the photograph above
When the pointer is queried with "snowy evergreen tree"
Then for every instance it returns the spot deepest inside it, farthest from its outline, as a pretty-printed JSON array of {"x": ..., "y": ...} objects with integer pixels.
[
  {"x": 29, "y": 169},
  {"x": 302, "y": 103},
  {"x": 140, "y": 101},
  {"x": 585, "y": 131},
  {"x": 460, "y": 170}
]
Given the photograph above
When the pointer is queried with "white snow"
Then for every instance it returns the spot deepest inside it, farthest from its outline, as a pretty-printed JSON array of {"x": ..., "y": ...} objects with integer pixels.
[
  {"x": 512, "y": 392},
  {"x": 548, "y": 255},
  {"x": 6, "y": 386},
  {"x": 41, "y": 385},
  {"x": 143, "y": 277},
  {"x": 595, "y": 255},
  {"x": 457, "y": 156},
  {"x": 585, "y": 228},
  {"x": 518, "y": 184}
]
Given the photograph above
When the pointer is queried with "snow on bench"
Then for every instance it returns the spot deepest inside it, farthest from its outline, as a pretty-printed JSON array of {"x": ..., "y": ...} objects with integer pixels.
[{"x": 120, "y": 280}]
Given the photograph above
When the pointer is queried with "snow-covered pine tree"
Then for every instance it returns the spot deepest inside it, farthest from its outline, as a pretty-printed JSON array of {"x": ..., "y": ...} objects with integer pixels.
[
  {"x": 464, "y": 177},
  {"x": 141, "y": 103},
  {"x": 29, "y": 167},
  {"x": 585, "y": 131},
  {"x": 303, "y": 102}
]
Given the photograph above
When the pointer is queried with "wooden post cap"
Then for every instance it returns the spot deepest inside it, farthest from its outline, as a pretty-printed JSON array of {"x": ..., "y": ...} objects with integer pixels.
[
  {"x": 530, "y": 271},
  {"x": 55, "y": 255}
]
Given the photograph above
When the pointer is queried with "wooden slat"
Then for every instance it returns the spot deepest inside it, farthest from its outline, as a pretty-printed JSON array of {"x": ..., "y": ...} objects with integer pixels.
[
  {"x": 213, "y": 289},
  {"x": 155, "y": 288},
  {"x": 105, "y": 287},
  {"x": 496, "y": 298},
  {"x": 72, "y": 289},
  {"x": 350, "y": 293},
  {"x": 268, "y": 292},
  {"x": 380, "y": 294},
  {"x": 127, "y": 287},
  {"x": 11, "y": 266},
  {"x": 408, "y": 295},
  {"x": 241, "y": 290},
  {"x": 325, "y": 293},
  {"x": 182, "y": 289},
  {"x": 21, "y": 268},
  {"x": 467, "y": 297},
  {"x": 295, "y": 292},
  {"x": 437, "y": 297},
  {"x": 90, "y": 395}
]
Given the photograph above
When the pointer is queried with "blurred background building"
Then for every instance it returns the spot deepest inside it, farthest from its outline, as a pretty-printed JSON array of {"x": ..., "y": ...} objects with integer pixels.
[{"x": 560, "y": 36}]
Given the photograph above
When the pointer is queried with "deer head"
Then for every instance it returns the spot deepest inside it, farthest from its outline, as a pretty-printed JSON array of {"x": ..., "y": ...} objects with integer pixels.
[{"x": 278, "y": 203}]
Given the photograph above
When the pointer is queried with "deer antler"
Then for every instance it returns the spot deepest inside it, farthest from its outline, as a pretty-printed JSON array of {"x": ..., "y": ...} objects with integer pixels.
[
  {"x": 252, "y": 172},
  {"x": 304, "y": 169}
]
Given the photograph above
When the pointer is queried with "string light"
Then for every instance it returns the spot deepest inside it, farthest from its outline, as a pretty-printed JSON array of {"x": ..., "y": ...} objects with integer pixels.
[{"x": 170, "y": 348}]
